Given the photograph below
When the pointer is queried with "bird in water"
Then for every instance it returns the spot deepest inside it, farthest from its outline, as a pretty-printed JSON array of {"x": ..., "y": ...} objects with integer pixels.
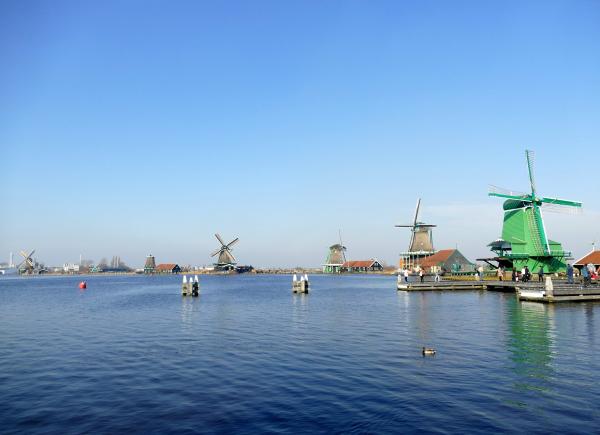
[{"x": 428, "y": 351}]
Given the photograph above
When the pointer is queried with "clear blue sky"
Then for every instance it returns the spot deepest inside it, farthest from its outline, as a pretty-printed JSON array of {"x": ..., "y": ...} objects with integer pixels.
[{"x": 136, "y": 127}]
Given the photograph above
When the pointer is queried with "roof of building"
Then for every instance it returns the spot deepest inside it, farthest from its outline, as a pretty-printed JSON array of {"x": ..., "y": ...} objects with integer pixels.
[
  {"x": 437, "y": 258},
  {"x": 593, "y": 257},
  {"x": 165, "y": 266},
  {"x": 360, "y": 263}
]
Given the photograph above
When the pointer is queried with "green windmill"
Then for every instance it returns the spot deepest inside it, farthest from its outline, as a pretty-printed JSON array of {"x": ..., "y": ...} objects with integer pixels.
[{"x": 524, "y": 240}]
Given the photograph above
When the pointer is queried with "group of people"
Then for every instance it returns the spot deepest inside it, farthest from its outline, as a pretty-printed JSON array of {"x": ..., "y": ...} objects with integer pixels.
[
  {"x": 524, "y": 275},
  {"x": 589, "y": 273},
  {"x": 406, "y": 273}
]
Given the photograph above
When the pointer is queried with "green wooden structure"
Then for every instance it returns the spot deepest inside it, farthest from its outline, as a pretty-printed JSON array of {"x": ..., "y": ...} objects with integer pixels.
[{"x": 524, "y": 240}]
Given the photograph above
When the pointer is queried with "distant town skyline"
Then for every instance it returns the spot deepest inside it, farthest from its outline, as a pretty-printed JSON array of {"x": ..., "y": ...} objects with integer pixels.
[{"x": 137, "y": 128}]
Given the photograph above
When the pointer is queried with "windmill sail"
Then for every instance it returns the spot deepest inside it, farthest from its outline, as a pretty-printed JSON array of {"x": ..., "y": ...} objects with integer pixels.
[{"x": 421, "y": 239}]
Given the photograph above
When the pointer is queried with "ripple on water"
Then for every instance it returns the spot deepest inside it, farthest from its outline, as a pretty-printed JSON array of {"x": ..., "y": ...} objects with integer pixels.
[{"x": 129, "y": 354}]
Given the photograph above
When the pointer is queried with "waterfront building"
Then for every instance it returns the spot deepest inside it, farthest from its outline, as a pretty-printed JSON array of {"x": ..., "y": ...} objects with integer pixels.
[
  {"x": 371, "y": 265},
  {"x": 593, "y": 257},
  {"x": 446, "y": 260},
  {"x": 70, "y": 268},
  {"x": 168, "y": 268}
]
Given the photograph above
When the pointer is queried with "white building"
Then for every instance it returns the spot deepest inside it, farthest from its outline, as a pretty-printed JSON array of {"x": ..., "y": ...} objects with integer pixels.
[{"x": 71, "y": 268}]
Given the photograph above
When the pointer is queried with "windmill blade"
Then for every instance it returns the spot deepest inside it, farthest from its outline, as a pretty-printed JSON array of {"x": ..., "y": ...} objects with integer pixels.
[
  {"x": 506, "y": 193},
  {"x": 530, "y": 155},
  {"x": 518, "y": 198},
  {"x": 412, "y": 240},
  {"x": 404, "y": 226},
  {"x": 220, "y": 239},
  {"x": 233, "y": 242},
  {"x": 562, "y": 209},
  {"x": 231, "y": 257},
  {"x": 417, "y": 212},
  {"x": 216, "y": 252},
  {"x": 563, "y": 202},
  {"x": 421, "y": 225},
  {"x": 24, "y": 254},
  {"x": 557, "y": 205}
]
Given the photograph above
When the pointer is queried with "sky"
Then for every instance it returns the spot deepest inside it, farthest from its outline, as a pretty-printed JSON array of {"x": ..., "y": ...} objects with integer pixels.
[{"x": 137, "y": 127}]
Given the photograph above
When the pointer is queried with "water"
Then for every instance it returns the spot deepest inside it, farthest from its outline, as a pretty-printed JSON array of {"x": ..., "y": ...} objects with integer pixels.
[{"x": 129, "y": 354}]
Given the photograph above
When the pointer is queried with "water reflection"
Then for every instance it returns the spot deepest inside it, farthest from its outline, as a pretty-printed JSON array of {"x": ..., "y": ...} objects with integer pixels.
[
  {"x": 416, "y": 312},
  {"x": 300, "y": 309},
  {"x": 531, "y": 340},
  {"x": 188, "y": 307},
  {"x": 589, "y": 321}
]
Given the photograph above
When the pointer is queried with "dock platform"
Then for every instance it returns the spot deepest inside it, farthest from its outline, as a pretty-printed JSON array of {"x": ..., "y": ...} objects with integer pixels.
[
  {"x": 441, "y": 286},
  {"x": 526, "y": 291},
  {"x": 561, "y": 293}
]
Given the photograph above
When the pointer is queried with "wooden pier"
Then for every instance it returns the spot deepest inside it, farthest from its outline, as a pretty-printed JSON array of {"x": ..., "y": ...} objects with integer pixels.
[
  {"x": 548, "y": 292},
  {"x": 561, "y": 293},
  {"x": 441, "y": 286}
]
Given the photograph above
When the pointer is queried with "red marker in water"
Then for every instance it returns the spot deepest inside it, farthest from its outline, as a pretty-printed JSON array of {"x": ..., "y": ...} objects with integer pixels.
[{"x": 82, "y": 285}]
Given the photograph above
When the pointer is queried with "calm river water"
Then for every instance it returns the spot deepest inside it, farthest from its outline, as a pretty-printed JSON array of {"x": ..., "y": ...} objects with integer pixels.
[{"x": 129, "y": 354}]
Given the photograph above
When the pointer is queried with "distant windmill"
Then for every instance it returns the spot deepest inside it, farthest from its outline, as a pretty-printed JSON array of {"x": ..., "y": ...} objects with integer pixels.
[
  {"x": 421, "y": 240},
  {"x": 28, "y": 265},
  {"x": 524, "y": 240},
  {"x": 226, "y": 260},
  {"x": 336, "y": 257}
]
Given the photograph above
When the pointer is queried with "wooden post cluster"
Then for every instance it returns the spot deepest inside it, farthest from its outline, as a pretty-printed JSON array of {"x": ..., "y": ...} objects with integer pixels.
[
  {"x": 300, "y": 285},
  {"x": 191, "y": 288}
]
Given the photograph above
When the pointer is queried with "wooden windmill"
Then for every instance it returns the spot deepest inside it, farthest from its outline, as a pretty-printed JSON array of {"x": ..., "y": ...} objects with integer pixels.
[
  {"x": 524, "y": 239},
  {"x": 28, "y": 265},
  {"x": 226, "y": 260},
  {"x": 421, "y": 241}
]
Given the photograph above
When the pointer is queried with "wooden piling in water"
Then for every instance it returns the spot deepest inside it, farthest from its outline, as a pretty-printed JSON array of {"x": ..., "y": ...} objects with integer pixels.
[
  {"x": 300, "y": 285},
  {"x": 191, "y": 288}
]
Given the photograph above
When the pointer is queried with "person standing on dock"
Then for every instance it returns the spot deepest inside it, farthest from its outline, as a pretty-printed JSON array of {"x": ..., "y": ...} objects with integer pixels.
[
  {"x": 500, "y": 274},
  {"x": 569, "y": 273},
  {"x": 437, "y": 275},
  {"x": 541, "y": 275},
  {"x": 480, "y": 272},
  {"x": 421, "y": 274},
  {"x": 514, "y": 275},
  {"x": 586, "y": 276},
  {"x": 406, "y": 275}
]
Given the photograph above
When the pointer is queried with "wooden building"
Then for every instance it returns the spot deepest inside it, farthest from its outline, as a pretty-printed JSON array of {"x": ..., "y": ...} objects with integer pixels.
[
  {"x": 168, "y": 268},
  {"x": 592, "y": 258},
  {"x": 446, "y": 260},
  {"x": 362, "y": 266}
]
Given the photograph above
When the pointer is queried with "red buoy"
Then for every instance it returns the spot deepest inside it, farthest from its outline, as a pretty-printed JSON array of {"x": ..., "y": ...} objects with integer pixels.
[{"x": 82, "y": 285}]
